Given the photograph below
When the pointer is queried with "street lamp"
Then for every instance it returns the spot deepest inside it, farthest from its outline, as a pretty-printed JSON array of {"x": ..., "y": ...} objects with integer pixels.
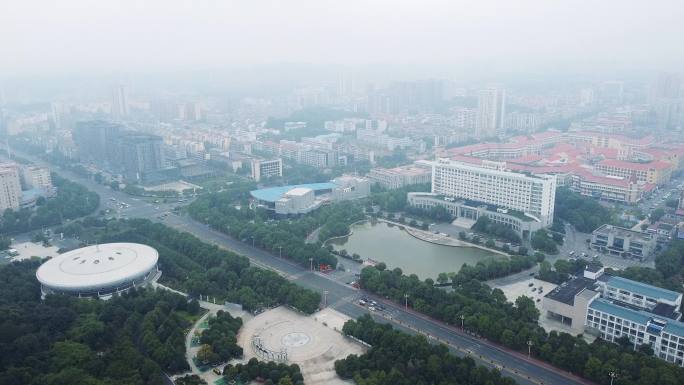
[
  {"x": 612, "y": 375},
  {"x": 406, "y": 301},
  {"x": 462, "y": 317},
  {"x": 325, "y": 298},
  {"x": 280, "y": 251},
  {"x": 311, "y": 264},
  {"x": 529, "y": 348}
]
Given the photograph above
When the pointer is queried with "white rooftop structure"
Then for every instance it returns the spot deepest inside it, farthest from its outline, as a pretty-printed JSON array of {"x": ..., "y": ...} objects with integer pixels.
[
  {"x": 298, "y": 192},
  {"x": 99, "y": 270}
]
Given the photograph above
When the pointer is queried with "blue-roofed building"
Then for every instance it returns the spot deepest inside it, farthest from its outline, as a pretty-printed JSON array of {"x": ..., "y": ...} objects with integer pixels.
[
  {"x": 615, "y": 307},
  {"x": 272, "y": 194},
  {"x": 296, "y": 199},
  {"x": 612, "y": 320},
  {"x": 637, "y": 293}
]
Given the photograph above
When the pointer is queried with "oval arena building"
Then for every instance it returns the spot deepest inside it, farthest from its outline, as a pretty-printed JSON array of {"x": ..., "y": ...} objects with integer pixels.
[{"x": 99, "y": 270}]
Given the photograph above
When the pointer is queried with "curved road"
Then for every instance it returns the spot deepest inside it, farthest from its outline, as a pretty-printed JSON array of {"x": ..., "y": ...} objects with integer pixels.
[{"x": 344, "y": 298}]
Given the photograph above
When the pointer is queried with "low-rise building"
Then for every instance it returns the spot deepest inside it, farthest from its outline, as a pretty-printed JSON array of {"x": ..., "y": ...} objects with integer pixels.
[
  {"x": 657, "y": 172},
  {"x": 662, "y": 231},
  {"x": 469, "y": 211},
  {"x": 299, "y": 200},
  {"x": 623, "y": 242},
  {"x": 350, "y": 187},
  {"x": 568, "y": 302},
  {"x": 614, "y": 307},
  {"x": 609, "y": 188},
  {"x": 402, "y": 176}
]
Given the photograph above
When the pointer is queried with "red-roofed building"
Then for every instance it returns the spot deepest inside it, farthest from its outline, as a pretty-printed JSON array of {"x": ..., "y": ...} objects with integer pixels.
[
  {"x": 657, "y": 172},
  {"x": 610, "y": 188}
]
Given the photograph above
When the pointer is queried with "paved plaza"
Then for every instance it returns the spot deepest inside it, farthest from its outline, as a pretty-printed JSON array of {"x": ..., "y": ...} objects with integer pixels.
[
  {"x": 313, "y": 342},
  {"x": 28, "y": 250}
]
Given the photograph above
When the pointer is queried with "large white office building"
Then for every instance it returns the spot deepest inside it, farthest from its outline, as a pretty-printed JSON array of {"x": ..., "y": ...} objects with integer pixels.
[{"x": 491, "y": 184}]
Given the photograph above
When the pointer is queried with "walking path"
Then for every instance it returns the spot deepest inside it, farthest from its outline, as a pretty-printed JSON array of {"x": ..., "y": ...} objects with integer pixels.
[{"x": 190, "y": 351}]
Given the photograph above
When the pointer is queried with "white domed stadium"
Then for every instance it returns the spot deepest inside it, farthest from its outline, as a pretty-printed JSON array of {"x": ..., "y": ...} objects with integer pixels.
[{"x": 99, "y": 270}]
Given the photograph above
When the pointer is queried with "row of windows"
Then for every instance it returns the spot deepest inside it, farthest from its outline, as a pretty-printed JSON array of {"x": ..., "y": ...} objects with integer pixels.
[{"x": 616, "y": 327}]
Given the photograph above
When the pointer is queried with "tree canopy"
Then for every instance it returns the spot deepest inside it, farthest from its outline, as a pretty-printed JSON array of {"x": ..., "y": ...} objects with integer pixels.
[
  {"x": 71, "y": 201},
  {"x": 396, "y": 358},
  {"x": 129, "y": 339},
  {"x": 198, "y": 268},
  {"x": 584, "y": 213},
  {"x": 285, "y": 237},
  {"x": 487, "y": 313}
]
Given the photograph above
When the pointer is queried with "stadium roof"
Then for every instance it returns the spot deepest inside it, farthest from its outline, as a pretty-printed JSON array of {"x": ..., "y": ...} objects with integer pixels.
[
  {"x": 96, "y": 267},
  {"x": 272, "y": 194}
]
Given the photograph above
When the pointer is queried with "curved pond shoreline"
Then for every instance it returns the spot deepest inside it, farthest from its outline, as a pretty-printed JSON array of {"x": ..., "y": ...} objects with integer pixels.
[
  {"x": 393, "y": 244},
  {"x": 437, "y": 239}
]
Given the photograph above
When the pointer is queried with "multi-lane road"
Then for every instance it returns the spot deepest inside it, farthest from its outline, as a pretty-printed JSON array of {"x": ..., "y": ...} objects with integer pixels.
[{"x": 339, "y": 295}]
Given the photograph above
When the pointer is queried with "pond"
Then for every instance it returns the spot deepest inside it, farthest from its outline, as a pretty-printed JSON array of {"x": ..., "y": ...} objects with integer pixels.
[{"x": 396, "y": 248}]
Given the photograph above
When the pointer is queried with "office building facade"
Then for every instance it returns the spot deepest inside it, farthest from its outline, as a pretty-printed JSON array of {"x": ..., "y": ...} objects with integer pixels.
[
  {"x": 140, "y": 154},
  {"x": 119, "y": 101},
  {"x": 614, "y": 308},
  {"x": 622, "y": 242},
  {"x": 36, "y": 177},
  {"x": 266, "y": 168},
  {"x": 96, "y": 141},
  {"x": 491, "y": 110},
  {"x": 10, "y": 187},
  {"x": 402, "y": 176},
  {"x": 531, "y": 194}
]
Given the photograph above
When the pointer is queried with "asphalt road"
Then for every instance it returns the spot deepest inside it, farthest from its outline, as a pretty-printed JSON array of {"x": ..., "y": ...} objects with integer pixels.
[{"x": 340, "y": 296}]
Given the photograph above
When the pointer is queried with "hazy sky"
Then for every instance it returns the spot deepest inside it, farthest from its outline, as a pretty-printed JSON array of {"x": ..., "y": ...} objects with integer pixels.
[{"x": 513, "y": 35}]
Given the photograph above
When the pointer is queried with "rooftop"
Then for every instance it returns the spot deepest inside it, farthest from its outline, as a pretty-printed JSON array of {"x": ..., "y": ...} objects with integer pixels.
[
  {"x": 665, "y": 310},
  {"x": 605, "y": 306},
  {"x": 298, "y": 191},
  {"x": 272, "y": 194},
  {"x": 642, "y": 288},
  {"x": 657, "y": 165},
  {"x": 624, "y": 311},
  {"x": 566, "y": 292},
  {"x": 623, "y": 232},
  {"x": 97, "y": 266}
]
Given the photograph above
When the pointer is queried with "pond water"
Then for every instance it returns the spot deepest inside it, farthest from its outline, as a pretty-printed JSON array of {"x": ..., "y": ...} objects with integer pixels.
[{"x": 395, "y": 247}]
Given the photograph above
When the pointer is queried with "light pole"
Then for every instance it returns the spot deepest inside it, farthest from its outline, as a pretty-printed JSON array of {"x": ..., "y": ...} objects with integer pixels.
[
  {"x": 325, "y": 298},
  {"x": 612, "y": 375},
  {"x": 529, "y": 348},
  {"x": 252, "y": 240},
  {"x": 311, "y": 264},
  {"x": 406, "y": 301},
  {"x": 462, "y": 317},
  {"x": 280, "y": 251}
]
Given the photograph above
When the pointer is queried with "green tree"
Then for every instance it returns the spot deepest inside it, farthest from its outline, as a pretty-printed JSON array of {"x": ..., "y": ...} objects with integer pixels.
[{"x": 656, "y": 215}]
